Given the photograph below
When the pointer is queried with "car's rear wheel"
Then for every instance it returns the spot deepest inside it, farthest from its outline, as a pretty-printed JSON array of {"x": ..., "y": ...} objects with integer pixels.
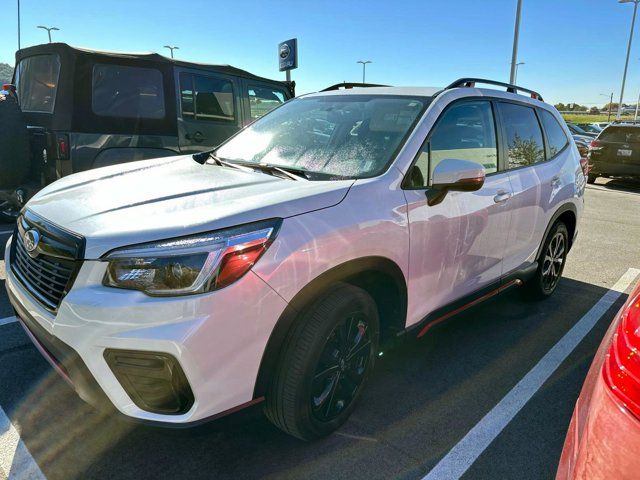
[
  {"x": 326, "y": 362},
  {"x": 592, "y": 178},
  {"x": 551, "y": 263}
]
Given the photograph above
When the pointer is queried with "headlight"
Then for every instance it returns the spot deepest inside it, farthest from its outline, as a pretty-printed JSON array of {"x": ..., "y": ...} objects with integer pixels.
[{"x": 189, "y": 265}]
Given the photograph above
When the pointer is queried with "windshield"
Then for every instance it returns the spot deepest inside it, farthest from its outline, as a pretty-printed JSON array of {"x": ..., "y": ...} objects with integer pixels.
[
  {"x": 37, "y": 83},
  {"x": 351, "y": 135}
]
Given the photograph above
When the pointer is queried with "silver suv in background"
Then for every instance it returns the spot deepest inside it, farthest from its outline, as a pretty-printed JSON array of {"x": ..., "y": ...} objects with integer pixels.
[{"x": 276, "y": 267}]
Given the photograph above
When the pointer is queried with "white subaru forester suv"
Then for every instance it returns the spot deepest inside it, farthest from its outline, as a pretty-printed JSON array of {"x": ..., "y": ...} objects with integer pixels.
[{"x": 276, "y": 267}]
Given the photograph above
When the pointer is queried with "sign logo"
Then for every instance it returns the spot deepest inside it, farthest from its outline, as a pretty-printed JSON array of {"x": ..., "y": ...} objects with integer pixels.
[
  {"x": 285, "y": 50},
  {"x": 31, "y": 240},
  {"x": 288, "y": 55}
]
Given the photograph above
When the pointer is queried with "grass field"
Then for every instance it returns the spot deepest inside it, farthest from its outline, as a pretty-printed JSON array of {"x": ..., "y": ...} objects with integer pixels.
[{"x": 583, "y": 118}]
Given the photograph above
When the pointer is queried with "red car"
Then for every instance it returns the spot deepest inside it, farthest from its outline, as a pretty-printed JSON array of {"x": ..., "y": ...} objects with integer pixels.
[{"x": 604, "y": 434}]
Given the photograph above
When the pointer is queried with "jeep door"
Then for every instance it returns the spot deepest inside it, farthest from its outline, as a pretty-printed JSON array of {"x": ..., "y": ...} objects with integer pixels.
[
  {"x": 535, "y": 180},
  {"x": 457, "y": 245},
  {"x": 210, "y": 109}
]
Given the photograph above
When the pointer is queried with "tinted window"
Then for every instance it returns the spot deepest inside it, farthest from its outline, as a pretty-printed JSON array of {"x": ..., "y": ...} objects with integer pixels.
[
  {"x": 128, "y": 92},
  {"x": 524, "y": 137},
  {"x": 264, "y": 99},
  {"x": 206, "y": 98},
  {"x": 467, "y": 132},
  {"x": 555, "y": 134},
  {"x": 37, "y": 83},
  {"x": 350, "y": 135},
  {"x": 620, "y": 134}
]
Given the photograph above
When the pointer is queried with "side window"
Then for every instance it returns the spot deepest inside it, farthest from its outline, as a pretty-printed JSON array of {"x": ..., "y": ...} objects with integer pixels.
[
  {"x": 206, "y": 98},
  {"x": 264, "y": 99},
  {"x": 524, "y": 137},
  {"x": 556, "y": 137},
  {"x": 467, "y": 132},
  {"x": 128, "y": 92}
]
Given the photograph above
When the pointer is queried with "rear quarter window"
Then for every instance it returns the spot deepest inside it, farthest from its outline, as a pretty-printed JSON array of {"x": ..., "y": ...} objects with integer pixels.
[
  {"x": 127, "y": 92},
  {"x": 37, "y": 82},
  {"x": 556, "y": 137}
]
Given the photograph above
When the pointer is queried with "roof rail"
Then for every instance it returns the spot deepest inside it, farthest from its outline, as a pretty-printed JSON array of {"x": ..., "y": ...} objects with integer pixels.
[
  {"x": 348, "y": 86},
  {"x": 471, "y": 82}
]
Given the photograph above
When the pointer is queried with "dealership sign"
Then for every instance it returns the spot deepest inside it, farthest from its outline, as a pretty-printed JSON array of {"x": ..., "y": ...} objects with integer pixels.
[{"x": 288, "y": 55}]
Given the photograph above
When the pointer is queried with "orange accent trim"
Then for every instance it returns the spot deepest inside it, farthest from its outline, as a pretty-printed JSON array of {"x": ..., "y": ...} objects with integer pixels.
[{"x": 444, "y": 317}]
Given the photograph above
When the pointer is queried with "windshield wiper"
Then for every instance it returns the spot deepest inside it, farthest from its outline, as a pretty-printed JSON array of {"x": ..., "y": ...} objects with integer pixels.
[
  {"x": 290, "y": 172},
  {"x": 203, "y": 157}
]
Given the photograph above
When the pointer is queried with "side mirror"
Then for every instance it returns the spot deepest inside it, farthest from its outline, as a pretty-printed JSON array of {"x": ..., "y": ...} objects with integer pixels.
[{"x": 456, "y": 175}]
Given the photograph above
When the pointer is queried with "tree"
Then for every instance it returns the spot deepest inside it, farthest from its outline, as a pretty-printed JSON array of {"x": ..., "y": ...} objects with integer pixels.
[
  {"x": 6, "y": 73},
  {"x": 614, "y": 106},
  {"x": 560, "y": 106},
  {"x": 594, "y": 110}
]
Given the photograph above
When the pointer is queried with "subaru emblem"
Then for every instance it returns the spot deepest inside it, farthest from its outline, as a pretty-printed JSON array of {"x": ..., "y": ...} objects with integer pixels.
[{"x": 31, "y": 240}]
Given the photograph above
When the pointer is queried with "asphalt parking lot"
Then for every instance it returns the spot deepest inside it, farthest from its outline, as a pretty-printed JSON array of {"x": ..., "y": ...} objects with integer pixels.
[{"x": 426, "y": 395}]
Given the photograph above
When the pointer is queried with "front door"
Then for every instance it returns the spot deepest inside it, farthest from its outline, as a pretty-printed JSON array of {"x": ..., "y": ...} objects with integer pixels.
[
  {"x": 209, "y": 110},
  {"x": 457, "y": 246}
]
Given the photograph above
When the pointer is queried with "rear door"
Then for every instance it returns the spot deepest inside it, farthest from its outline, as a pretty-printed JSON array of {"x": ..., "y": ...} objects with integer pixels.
[
  {"x": 536, "y": 181},
  {"x": 457, "y": 246},
  {"x": 209, "y": 109}
]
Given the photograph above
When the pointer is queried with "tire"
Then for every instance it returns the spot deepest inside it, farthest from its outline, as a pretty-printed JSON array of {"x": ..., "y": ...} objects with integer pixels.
[
  {"x": 15, "y": 161},
  {"x": 555, "y": 247},
  {"x": 317, "y": 384},
  {"x": 591, "y": 179}
]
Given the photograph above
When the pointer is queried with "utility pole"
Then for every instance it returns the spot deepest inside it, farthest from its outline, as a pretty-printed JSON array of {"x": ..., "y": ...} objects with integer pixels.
[
  {"x": 514, "y": 52},
  {"x": 364, "y": 65},
  {"x": 626, "y": 63},
  {"x": 18, "y": 24}
]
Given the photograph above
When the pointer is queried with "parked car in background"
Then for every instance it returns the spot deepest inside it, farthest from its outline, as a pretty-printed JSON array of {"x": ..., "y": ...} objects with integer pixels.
[
  {"x": 604, "y": 434},
  {"x": 277, "y": 266},
  {"x": 576, "y": 130},
  {"x": 87, "y": 109},
  {"x": 615, "y": 152},
  {"x": 590, "y": 127},
  {"x": 582, "y": 143}
]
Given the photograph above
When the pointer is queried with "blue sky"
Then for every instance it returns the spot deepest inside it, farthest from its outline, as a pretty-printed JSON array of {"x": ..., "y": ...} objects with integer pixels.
[{"x": 573, "y": 49}]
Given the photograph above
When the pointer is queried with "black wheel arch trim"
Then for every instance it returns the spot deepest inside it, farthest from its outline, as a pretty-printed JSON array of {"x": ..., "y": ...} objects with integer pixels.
[
  {"x": 567, "y": 207},
  {"x": 340, "y": 273}
]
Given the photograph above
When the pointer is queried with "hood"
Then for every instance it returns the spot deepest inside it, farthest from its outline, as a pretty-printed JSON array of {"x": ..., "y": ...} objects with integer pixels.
[{"x": 171, "y": 197}]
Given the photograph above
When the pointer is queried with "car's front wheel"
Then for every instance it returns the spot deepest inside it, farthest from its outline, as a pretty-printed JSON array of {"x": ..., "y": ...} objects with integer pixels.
[
  {"x": 326, "y": 362},
  {"x": 551, "y": 263}
]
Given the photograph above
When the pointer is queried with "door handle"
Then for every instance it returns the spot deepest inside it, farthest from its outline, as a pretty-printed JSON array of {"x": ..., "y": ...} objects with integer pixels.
[
  {"x": 196, "y": 136},
  {"x": 555, "y": 181},
  {"x": 502, "y": 196}
]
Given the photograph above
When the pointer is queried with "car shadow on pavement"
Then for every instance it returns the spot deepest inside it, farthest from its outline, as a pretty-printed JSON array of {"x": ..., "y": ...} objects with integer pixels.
[
  {"x": 620, "y": 184},
  {"x": 424, "y": 396}
]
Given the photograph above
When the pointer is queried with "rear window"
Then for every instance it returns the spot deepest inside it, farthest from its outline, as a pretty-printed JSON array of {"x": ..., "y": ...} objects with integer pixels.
[
  {"x": 37, "y": 83},
  {"x": 621, "y": 134},
  {"x": 127, "y": 92},
  {"x": 264, "y": 99}
]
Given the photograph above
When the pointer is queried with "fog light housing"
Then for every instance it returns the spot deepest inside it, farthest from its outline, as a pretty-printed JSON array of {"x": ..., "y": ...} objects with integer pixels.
[{"x": 154, "y": 381}]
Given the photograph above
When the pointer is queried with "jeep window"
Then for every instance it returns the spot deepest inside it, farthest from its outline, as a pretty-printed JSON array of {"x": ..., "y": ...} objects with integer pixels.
[
  {"x": 127, "y": 92},
  {"x": 345, "y": 135},
  {"x": 556, "y": 137},
  {"x": 264, "y": 99},
  {"x": 524, "y": 137},
  {"x": 467, "y": 132},
  {"x": 206, "y": 98},
  {"x": 37, "y": 83}
]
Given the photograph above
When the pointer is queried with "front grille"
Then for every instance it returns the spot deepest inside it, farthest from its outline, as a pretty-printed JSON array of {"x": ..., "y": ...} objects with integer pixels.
[{"x": 49, "y": 271}]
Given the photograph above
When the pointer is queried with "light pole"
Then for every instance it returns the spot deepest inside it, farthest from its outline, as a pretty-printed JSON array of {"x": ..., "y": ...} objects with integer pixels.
[
  {"x": 626, "y": 63},
  {"x": 514, "y": 52},
  {"x": 172, "y": 49},
  {"x": 515, "y": 77},
  {"x": 18, "y": 24},
  {"x": 364, "y": 66},
  {"x": 610, "y": 97},
  {"x": 48, "y": 29}
]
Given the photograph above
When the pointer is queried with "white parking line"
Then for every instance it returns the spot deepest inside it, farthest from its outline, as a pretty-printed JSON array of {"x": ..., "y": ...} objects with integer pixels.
[
  {"x": 455, "y": 463},
  {"x": 6, "y": 321},
  {"x": 16, "y": 463}
]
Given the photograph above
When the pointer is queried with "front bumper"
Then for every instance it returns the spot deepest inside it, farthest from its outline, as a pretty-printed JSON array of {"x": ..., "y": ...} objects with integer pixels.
[{"x": 218, "y": 339}]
